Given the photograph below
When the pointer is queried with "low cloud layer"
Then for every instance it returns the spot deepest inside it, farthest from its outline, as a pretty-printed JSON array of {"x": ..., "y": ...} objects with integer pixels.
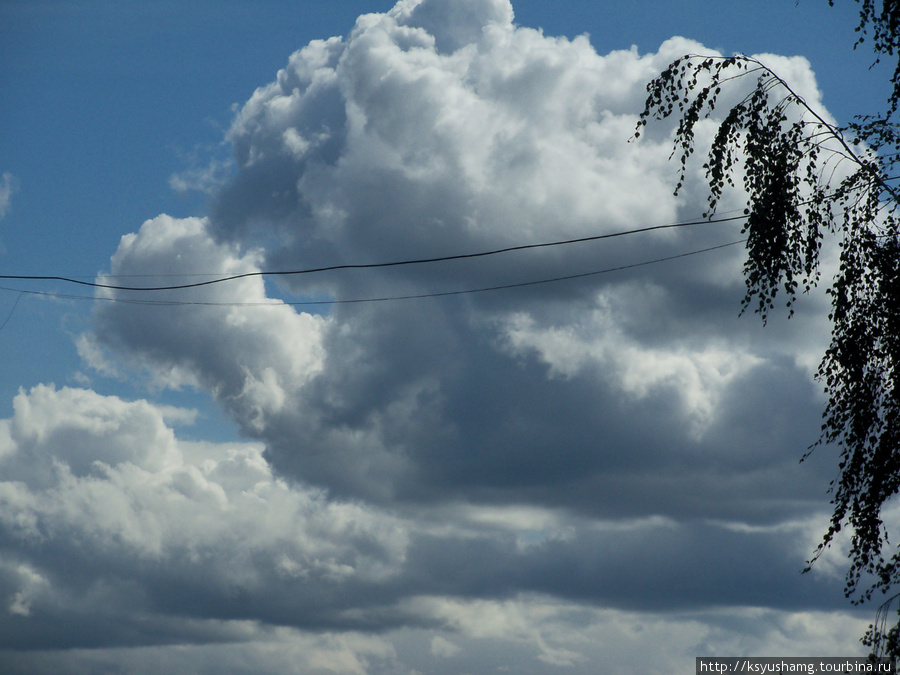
[
  {"x": 618, "y": 450},
  {"x": 111, "y": 541}
]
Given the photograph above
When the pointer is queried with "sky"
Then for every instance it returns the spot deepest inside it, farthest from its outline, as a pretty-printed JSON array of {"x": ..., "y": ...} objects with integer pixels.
[{"x": 328, "y": 473}]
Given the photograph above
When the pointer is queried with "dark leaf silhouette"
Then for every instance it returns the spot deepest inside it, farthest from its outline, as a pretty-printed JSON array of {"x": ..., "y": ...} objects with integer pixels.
[{"x": 786, "y": 156}]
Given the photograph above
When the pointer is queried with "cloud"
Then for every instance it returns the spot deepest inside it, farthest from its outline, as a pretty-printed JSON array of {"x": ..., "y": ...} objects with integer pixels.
[
  {"x": 120, "y": 522},
  {"x": 528, "y": 636},
  {"x": 443, "y": 647},
  {"x": 441, "y": 477},
  {"x": 207, "y": 179},
  {"x": 388, "y": 145},
  {"x": 414, "y": 403},
  {"x": 8, "y": 186},
  {"x": 279, "y": 348},
  {"x": 161, "y": 541}
]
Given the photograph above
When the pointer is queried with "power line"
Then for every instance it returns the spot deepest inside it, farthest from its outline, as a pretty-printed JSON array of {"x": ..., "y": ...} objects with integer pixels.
[
  {"x": 170, "y": 303},
  {"x": 396, "y": 263},
  {"x": 12, "y": 311},
  {"x": 520, "y": 284}
]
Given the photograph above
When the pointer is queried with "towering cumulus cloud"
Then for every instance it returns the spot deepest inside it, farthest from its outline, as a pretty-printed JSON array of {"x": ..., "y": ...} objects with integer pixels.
[{"x": 523, "y": 477}]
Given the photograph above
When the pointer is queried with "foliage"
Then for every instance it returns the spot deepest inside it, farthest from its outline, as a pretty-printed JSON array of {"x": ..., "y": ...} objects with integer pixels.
[{"x": 787, "y": 158}]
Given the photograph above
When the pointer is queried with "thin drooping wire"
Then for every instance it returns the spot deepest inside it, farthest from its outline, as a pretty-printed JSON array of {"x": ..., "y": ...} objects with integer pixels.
[
  {"x": 356, "y": 266},
  {"x": 279, "y": 303},
  {"x": 12, "y": 311}
]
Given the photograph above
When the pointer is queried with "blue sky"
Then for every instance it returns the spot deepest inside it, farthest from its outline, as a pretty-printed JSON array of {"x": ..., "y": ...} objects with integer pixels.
[{"x": 539, "y": 480}]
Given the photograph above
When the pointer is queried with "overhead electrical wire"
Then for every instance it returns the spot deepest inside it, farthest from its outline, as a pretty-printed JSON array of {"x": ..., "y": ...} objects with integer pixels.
[
  {"x": 355, "y": 266},
  {"x": 12, "y": 311},
  {"x": 280, "y": 303}
]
